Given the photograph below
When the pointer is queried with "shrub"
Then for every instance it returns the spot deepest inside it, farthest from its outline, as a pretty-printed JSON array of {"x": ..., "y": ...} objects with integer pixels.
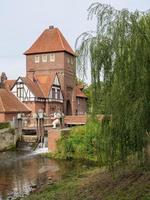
[
  {"x": 4, "y": 125},
  {"x": 81, "y": 143}
]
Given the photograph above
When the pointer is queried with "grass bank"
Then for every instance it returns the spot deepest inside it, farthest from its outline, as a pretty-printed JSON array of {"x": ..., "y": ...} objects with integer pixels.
[{"x": 98, "y": 184}]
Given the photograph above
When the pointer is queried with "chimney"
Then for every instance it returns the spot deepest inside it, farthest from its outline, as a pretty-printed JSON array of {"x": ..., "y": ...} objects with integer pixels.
[{"x": 51, "y": 27}]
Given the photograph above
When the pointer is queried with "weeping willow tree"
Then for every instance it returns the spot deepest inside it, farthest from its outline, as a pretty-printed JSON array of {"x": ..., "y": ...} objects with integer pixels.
[{"x": 119, "y": 56}]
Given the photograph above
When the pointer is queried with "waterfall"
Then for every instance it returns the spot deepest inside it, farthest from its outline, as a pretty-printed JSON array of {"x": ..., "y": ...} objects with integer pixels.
[{"x": 42, "y": 147}]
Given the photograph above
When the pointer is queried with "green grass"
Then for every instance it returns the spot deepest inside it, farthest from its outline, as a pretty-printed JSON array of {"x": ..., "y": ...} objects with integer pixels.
[{"x": 98, "y": 184}]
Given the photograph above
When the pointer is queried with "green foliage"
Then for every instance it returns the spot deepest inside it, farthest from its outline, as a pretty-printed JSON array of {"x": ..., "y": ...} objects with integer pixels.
[
  {"x": 81, "y": 142},
  {"x": 89, "y": 90},
  {"x": 119, "y": 53},
  {"x": 4, "y": 125}
]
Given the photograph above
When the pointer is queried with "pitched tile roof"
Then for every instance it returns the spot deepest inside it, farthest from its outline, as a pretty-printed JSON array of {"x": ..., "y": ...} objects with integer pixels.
[
  {"x": 9, "y": 83},
  {"x": 51, "y": 40},
  {"x": 41, "y": 85},
  {"x": 61, "y": 80},
  {"x": 10, "y": 104},
  {"x": 45, "y": 82},
  {"x": 33, "y": 86},
  {"x": 79, "y": 92}
]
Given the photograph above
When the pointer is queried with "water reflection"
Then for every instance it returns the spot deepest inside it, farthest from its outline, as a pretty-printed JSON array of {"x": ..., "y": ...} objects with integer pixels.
[{"x": 19, "y": 171}]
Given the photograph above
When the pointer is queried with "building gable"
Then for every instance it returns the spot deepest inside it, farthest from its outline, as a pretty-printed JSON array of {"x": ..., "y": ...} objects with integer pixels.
[
  {"x": 22, "y": 91},
  {"x": 56, "y": 81},
  {"x": 55, "y": 93}
]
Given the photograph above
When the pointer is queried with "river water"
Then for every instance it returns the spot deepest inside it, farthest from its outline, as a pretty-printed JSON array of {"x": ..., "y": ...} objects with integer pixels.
[{"x": 21, "y": 171}]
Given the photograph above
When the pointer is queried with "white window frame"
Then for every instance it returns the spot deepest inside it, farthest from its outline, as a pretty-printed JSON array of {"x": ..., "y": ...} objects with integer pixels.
[
  {"x": 36, "y": 58},
  {"x": 44, "y": 57},
  {"x": 52, "y": 57},
  {"x": 68, "y": 60}
]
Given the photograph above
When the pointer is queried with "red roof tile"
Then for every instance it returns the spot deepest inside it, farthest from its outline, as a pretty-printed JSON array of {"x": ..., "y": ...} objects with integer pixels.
[
  {"x": 9, "y": 83},
  {"x": 61, "y": 80},
  {"x": 51, "y": 40},
  {"x": 80, "y": 93},
  {"x": 33, "y": 86},
  {"x": 45, "y": 82},
  {"x": 41, "y": 85},
  {"x": 10, "y": 104}
]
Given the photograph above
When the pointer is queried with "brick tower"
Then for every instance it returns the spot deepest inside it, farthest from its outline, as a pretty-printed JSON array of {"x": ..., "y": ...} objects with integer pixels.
[{"x": 52, "y": 53}]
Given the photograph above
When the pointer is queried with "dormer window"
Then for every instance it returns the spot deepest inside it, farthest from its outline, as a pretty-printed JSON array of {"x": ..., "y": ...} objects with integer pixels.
[
  {"x": 53, "y": 93},
  {"x": 58, "y": 93},
  {"x": 37, "y": 59},
  {"x": 44, "y": 58},
  {"x": 52, "y": 57}
]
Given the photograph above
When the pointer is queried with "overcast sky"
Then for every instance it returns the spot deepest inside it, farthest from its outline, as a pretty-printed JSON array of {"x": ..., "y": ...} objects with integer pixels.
[{"x": 22, "y": 21}]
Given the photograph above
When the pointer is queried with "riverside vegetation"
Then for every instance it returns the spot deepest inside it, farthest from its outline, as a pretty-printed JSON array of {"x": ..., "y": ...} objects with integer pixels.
[
  {"x": 119, "y": 54},
  {"x": 129, "y": 181}
]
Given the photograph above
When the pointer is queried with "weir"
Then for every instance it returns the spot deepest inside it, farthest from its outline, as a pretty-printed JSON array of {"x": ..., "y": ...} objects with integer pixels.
[{"x": 33, "y": 132}]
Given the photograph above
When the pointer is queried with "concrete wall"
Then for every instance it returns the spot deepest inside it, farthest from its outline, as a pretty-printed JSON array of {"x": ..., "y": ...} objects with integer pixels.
[{"x": 7, "y": 139}]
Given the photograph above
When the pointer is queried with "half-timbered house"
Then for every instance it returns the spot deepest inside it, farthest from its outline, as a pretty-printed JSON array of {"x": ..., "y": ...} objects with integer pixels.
[
  {"x": 50, "y": 80},
  {"x": 42, "y": 93}
]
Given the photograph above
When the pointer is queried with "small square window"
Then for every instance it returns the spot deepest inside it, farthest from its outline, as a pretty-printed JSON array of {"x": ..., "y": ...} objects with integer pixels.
[
  {"x": 37, "y": 59},
  {"x": 72, "y": 61},
  {"x": 68, "y": 60},
  {"x": 78, "y": 101},
  {"x": 44, "y": 58},
  {"x": 52, "y": 57}
]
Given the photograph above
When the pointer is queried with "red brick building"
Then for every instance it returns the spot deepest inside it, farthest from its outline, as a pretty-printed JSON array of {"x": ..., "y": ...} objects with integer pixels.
[
  {"x": 50, "y": 80},
  {"x": 10, "y": 106}
]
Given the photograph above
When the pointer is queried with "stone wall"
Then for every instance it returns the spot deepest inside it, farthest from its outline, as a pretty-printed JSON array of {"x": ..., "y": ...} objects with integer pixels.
[{"x": 7, "y": 139}]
